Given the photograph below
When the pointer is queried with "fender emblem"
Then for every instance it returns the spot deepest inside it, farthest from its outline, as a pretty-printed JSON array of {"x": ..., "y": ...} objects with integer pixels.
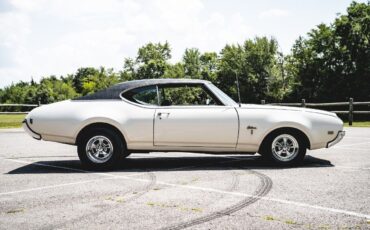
[{"x": 251, "y": 128}]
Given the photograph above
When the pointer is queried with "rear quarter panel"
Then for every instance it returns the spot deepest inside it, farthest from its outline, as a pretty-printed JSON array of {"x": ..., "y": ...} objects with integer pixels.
[{"x": 63, "y": 121}]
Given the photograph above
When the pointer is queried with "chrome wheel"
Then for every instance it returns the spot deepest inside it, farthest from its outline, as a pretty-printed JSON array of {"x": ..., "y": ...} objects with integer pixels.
[
  {"x": 99, "y": 149},
  {"x": 285, "y": 147}
]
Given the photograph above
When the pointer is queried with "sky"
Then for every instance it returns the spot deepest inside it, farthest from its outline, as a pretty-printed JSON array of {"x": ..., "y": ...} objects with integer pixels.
[{"x": 55, "y": 37}]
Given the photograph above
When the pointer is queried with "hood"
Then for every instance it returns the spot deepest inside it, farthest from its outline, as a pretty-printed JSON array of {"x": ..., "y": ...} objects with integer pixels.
[{"x": 255, "y": 106}]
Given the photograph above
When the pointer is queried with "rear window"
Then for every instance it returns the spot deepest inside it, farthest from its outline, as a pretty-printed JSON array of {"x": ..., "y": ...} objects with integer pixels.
[{"x": 145, "y": 95}]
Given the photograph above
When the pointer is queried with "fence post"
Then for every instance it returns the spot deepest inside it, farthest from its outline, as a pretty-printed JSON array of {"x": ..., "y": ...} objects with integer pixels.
[
  {"x": 263, "y": 102},
  {"x": 303, "y": 104},
  {"x": 350, "y": 111}
]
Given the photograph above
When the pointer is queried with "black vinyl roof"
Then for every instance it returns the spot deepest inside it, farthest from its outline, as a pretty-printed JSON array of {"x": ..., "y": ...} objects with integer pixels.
[{"x": 115, "y": 91}]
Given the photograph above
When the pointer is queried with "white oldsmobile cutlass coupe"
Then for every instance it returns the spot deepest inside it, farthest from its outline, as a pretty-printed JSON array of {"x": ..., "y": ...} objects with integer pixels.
[{"x": 180, "y": 115}]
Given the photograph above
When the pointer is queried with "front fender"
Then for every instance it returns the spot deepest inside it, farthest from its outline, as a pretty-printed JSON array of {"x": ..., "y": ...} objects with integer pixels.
[
  {"x": 293, "y": 125},
  {"x": 265, "y": 121}
]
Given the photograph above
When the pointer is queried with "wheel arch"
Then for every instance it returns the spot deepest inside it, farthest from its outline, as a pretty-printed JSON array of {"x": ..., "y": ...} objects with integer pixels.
[
  {"x": 301, "y": 133},
  {"x": 102, "y": 125}
]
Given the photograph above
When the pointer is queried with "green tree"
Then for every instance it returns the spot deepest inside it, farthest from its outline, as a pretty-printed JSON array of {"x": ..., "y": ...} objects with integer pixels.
[
  {"x": 209, "y": 66},
  {"x": 101, "y": 79},
  {"x": 192, "y": 66},
  {"x": 152, "y": 60},
  {"x": 82, "y": 75},
  {"x": 333, "y": 62},
  {"x": 175, "y": 71},
  {"x": 129, "y": 71},
  {"x": 253, "y": 63}
]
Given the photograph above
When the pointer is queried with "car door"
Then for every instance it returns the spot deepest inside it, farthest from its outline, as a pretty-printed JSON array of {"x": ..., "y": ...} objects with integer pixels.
[{"x": 191, "y": 116}]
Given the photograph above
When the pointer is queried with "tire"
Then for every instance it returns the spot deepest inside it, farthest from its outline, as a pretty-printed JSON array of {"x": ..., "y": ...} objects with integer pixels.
[
  {"x": 284, "y": 148},
  {"x": 101, "y": 148}
]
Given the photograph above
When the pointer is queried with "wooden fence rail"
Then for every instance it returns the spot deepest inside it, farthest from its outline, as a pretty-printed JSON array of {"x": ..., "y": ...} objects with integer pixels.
[
  {"x": 349, "y": 103},
  {"x": 303, "y": 103},
  {"x": 19, "y": 105}
]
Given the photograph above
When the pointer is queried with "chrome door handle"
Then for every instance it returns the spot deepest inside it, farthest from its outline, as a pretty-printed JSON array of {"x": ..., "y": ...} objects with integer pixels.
[{"x": 160, "y": 114}]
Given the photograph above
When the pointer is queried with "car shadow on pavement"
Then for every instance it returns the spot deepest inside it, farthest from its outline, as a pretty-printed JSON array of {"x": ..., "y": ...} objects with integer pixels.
[{"x": 183, "y": 163}]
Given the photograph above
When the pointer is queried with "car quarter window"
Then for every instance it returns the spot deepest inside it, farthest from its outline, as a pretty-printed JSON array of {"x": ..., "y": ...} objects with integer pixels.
[
  {"x": 147, "y": 95},
  {"x": 186, "y": 95}
]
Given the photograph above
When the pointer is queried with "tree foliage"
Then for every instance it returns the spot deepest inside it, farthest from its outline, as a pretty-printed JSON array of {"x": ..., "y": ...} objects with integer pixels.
[
  {"x": 333, "y": 62},
  {"x": 330, "y": 63},
  {"x": 254, "y": 63}
]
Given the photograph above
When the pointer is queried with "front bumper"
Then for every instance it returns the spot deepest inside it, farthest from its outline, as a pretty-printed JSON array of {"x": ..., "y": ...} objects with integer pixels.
[
  {"x": 28, "y": 129},
  {"x": 337, "y": 139}
]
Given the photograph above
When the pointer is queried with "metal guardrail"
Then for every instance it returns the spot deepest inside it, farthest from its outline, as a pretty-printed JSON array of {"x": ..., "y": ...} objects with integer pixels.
[
  {"x": 19, "y": 105},
  {"x": 25, "y": 112},
  {"x": 303, "y": 103},
  {"x": 350, "y": 105}
]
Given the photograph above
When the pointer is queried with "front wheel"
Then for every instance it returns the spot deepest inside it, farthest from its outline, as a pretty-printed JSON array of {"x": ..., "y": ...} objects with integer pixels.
[
  {"x": 284, "y": 148},
  {"x": 100, "y": 148}
]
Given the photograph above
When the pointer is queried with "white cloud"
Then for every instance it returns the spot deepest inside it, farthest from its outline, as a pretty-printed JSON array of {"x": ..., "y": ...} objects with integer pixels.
[
  {"x": 42, "y": 37},
  {"x": 274, "y": 13},
  {"x": 97, "y": 47},
  {"x": 28, "y": 6}
]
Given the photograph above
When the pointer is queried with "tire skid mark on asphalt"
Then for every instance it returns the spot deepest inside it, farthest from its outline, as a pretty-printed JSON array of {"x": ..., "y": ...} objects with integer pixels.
[
  {"x": 234, "y": 184},
  {"x": 110, "y": 176},
  {"x": 300, "y": 204},
  {"x": 262, "y": 190},
  {"x": 147, "y": 188}
]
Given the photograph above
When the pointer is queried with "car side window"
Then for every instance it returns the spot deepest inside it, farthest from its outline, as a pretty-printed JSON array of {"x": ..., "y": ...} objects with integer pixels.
[
  {"x": 144, "y": 95},
  {"x": 185, "y": 95}
]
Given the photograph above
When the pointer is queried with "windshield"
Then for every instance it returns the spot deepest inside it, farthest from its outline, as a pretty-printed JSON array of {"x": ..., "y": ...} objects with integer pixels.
[{"x": 221, "y": 95}]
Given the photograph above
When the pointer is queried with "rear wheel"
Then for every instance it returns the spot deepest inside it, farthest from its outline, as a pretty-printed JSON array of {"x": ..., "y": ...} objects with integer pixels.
[
  {"x": 100, "y": 148},
  {"x": 284, "y": 148}
]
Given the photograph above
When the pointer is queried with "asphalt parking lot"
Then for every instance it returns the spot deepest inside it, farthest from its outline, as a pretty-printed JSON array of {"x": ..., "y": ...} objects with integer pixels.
[{"x": 42, "y": 186}]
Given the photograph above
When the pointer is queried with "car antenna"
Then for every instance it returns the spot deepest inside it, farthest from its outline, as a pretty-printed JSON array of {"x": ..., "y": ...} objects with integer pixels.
[{"x": 238, "y": 88}]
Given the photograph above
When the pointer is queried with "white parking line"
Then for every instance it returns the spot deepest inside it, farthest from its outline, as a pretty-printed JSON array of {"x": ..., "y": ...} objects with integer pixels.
[
  {"x": 341, "y": 211},
  {"x": 110, "y": 176},
  {"x": 358, "y": 149},
  {"x": 350, "y": 167},
  {"x": 356, "y": 137},
  {"x": 56, "y": 186},
  {"x": 301, "y": 204},
  {"x": 59, "y": 167},
  {"x": 337, "y": 146}
]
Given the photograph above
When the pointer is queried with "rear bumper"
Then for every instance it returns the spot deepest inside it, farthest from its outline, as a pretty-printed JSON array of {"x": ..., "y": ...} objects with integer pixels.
[
  {"x": 28, "y": 130},
  {"x": 337, "y": 139}
]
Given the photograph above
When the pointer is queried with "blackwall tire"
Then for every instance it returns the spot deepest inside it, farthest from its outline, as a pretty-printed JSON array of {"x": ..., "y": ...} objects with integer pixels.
[
  {"x": 100, "y": 148},
  {"x": 284, "y": 148}
]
